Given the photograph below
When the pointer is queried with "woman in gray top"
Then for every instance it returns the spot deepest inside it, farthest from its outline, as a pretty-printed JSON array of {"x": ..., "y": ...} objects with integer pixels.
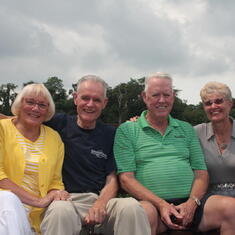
[{"x": 217, "y": 138}]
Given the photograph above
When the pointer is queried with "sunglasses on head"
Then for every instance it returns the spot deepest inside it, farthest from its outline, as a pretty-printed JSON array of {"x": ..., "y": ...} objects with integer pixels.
[{"x": 215, "y": 101}]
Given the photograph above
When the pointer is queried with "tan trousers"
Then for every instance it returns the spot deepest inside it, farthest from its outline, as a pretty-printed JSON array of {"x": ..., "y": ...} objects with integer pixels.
[{"x": 125, "y": 216}]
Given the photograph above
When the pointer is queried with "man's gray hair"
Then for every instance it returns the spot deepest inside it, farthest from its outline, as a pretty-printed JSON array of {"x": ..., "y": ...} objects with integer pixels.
[
  {"x": 93, "y": 78},
  {"x": 160, "y": 75}
]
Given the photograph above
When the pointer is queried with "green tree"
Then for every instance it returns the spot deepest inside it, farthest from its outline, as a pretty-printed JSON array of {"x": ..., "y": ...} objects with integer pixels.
[
  {"x": 178, "y": 108},
  {"x": 194, "y": 114},
  {"x": 58, "y": 93},
  {"x": 124, "y": 102},
  {"x": 7, "y": 96}
]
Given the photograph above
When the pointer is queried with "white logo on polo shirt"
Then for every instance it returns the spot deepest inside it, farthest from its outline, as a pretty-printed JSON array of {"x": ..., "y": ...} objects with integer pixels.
[{"x": 99, "y": 153}]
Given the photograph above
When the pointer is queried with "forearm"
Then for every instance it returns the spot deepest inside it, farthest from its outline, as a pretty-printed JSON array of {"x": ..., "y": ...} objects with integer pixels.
[
  {"x": 137, "y": 190},
  {"x": 97, "y": 212},
  {"x": 200, "y": 184},
  {"x": 109, "y": 191},
  {"x": 198, "y": 189},
  {"x": 24, "y": 196}
]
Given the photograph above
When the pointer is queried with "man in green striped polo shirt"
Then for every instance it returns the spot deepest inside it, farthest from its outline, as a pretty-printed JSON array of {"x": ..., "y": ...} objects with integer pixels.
[{"x": 160, "y": 162}]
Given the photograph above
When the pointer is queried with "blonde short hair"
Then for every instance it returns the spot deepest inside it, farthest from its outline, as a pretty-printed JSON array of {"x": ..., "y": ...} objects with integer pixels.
[
  {"x": 216, "y": 87},
  {"x": 160, "y": 75},
  {"x": 35, "y": 89}
]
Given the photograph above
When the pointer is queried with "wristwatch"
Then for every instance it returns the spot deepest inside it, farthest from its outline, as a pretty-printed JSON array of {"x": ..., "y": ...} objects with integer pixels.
[{"x": 197, "y": 201}]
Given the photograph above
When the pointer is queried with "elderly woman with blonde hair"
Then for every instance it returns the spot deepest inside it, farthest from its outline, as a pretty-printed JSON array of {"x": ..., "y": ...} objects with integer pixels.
[
  {"x": 217, "y": 138},
  {"x": 31, "y": 157}
]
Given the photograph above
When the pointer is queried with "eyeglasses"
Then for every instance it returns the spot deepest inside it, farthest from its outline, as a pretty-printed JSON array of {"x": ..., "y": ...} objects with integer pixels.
[
  {"x": 33, "y": 103},
  {"x": 215, "y": 101}
]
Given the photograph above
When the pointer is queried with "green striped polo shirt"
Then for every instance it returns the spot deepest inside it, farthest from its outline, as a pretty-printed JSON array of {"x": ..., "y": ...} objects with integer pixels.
[{"x": 163, "y": 164}]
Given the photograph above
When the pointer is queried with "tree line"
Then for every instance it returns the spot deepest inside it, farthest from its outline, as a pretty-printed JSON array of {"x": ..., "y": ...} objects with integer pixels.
[{"x": 125, "y": 101}]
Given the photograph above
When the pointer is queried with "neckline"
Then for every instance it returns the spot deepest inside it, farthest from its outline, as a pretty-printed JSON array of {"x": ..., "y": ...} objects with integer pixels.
[{"x": 25, "y": 138}]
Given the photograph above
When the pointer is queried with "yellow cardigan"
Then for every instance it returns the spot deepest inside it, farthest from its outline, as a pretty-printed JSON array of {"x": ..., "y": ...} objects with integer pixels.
[{"x": 12, "y": 163}]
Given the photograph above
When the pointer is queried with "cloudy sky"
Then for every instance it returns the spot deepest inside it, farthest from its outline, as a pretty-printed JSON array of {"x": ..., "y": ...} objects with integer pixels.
[{"x": 193, "y": 40}]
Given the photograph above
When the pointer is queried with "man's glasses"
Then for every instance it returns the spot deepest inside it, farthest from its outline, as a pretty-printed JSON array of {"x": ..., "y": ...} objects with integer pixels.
[
  {"x": 33, "y": 103},
  {"x": 215, "y": 101}
]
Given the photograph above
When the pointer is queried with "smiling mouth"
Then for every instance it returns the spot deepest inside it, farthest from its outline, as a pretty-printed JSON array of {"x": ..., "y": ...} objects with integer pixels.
[
  {"x": 34, "y": 115},
  {"x": 162, "y": 107},
  {"x": 89, "y": 111},
  {"x": 215, "y": 112}
]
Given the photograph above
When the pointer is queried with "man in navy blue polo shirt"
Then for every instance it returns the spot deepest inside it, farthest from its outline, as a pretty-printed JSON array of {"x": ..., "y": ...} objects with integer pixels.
[{"x": 89, "y": 172}]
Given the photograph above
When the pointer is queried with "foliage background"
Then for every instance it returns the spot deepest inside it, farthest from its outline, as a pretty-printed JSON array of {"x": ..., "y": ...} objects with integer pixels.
[{"x": 124, "y": 101}]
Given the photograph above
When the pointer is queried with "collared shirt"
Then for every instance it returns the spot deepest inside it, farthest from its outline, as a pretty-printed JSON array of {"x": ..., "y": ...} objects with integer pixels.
[
  {"x": 221, "y": 166},
  {"x": 162, "y": 163}
]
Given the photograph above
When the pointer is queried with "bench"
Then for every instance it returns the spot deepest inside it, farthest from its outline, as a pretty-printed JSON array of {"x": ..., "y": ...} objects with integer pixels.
[
  {"x": 214, "y": 232},
  {"x": 88, "y": 231}
]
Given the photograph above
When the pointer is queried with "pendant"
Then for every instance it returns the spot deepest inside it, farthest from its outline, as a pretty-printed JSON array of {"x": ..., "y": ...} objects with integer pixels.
[{"x": 223, "y": 146}]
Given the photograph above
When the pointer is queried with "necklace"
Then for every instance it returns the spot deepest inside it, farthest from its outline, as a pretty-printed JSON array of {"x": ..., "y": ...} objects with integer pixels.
[
  {"x": 223, "y": 146},
  {"x": 223, "y": 134}
]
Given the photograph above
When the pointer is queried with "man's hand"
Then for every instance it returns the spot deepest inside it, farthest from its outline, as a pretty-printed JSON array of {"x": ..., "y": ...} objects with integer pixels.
[
  {"x": 96, "y": 213},
  {"x": 170, "y": 216},
  {"x": 187, "y": 210}
]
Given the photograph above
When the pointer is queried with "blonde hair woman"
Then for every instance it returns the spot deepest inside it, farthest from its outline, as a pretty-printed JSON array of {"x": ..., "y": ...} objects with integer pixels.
[
  {"x": 31, "y": 157},
  {"x": 218, "y": 138}
]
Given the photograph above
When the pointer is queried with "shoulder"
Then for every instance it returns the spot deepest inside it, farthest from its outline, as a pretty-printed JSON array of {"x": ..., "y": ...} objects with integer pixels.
[
  {"x": 128, "y": 125},
  {"x": 62, "y": 117},
  {"x": 5, "y": 123},
  {"x": 184, "y": 128},
  {"x": 181, "y": 124},
  {"x": 60, "y": 121},
  {"x": 128, "y": 129},
  {"x": 106, "y": 128},
  {"x": 201, "y": 128},
  {"x": 52, "y": 134}
]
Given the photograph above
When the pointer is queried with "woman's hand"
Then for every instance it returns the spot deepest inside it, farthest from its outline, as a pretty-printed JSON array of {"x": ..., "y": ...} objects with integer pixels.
[
  {"x": 134, "y": 119},
  {"x": 44, "y": 201},
  {"x": 53, "y": 195},
  {"x": 59, "y": 195}
]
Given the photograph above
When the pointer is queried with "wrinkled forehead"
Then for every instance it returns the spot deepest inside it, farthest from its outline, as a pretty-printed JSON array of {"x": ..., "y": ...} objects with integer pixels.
[
  {"x": 91, "y": 87},
  {"x": 160, "y": 85}
]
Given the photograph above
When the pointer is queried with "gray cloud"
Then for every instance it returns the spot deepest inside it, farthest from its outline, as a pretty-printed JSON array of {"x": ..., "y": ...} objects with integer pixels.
[{"x": 192, "y": 40}]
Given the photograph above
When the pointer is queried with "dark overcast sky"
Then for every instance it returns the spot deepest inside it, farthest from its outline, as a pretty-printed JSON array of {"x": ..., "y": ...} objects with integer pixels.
[{"x": 192, "y": 40}]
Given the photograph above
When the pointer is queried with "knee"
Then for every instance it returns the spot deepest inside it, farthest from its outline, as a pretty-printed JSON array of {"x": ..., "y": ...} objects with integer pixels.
[
  {"x": 61, "y": 209},
  {"x": 9, "y": 201},
  {"x": 228, "y": 207},
  {"x": 130, "y": 207},
  {"x": 151, "y": 212}
]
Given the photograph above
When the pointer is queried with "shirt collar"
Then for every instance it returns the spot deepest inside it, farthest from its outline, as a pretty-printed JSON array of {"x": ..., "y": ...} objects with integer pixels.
[
  {"x": 144, "y": 123},
  {"x": 210, "y": 132}
]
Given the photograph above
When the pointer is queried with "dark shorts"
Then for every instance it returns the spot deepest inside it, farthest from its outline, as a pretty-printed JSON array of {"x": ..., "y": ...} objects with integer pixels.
[{"x": 199, "y": 211}]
